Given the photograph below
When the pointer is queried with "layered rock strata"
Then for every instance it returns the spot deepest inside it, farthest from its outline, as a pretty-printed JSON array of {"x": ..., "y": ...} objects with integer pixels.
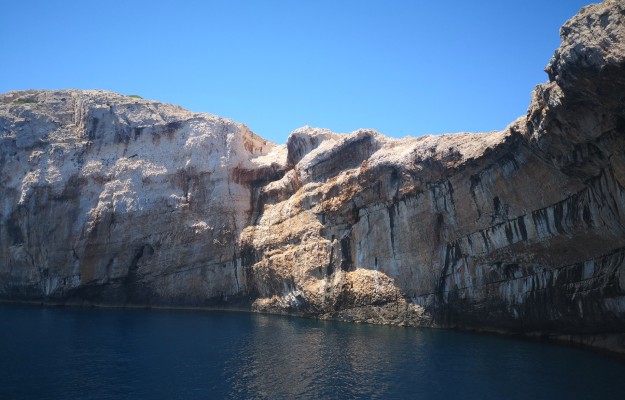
[{"x": 113, "y": 200}]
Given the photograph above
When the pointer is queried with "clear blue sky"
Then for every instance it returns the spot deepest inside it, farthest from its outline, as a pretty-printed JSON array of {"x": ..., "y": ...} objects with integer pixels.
[{"x": 401, "y": 67}]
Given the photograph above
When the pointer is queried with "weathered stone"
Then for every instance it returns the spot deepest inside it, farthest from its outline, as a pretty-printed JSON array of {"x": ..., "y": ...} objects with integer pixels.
[{"x": 118, "y": 200}]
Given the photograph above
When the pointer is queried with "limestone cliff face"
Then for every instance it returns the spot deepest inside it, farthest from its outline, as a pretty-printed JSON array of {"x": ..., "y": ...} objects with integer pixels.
[
  {"x": 108, "y": 199},
  {"x": 112, "y": 199}
]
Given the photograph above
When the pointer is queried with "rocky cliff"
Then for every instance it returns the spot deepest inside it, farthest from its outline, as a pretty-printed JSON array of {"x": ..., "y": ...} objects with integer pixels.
[{"x": 113, "y": 200}]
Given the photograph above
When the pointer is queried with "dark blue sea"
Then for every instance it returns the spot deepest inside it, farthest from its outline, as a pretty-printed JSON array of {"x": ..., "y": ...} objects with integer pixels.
[{"x": 74, "y": 353}]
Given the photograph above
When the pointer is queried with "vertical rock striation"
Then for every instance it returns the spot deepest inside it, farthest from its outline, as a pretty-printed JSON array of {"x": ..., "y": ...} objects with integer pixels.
[{"x": 107, "y": 199}]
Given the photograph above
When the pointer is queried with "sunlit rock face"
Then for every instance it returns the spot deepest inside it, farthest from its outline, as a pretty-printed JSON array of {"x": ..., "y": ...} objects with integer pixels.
[
  {"x": 113, "y": 199},
  {"x": 109, "y": 199}
]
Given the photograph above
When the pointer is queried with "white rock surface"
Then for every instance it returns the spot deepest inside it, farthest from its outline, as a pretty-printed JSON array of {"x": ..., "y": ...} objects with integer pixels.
[{"x": 92, "y": 178}]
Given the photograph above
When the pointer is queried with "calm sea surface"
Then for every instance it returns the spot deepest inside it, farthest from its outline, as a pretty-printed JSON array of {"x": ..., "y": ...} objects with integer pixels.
[{"x": 73, "y": 353}]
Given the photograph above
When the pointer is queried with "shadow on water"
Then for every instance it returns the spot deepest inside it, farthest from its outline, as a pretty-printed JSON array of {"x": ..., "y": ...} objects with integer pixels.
[{"x": 54, "y": 353}]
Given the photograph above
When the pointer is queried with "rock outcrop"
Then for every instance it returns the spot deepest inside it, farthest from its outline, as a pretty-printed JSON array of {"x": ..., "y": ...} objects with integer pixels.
[{"x": 113, "y": 200}]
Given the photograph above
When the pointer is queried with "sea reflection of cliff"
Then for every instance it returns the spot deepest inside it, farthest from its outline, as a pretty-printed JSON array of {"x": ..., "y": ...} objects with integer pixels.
[{"x": 286, "y": 360}]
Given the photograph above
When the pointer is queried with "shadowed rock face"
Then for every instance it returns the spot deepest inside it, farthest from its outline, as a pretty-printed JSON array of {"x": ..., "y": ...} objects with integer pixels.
[{"x": 108, "y": 199}]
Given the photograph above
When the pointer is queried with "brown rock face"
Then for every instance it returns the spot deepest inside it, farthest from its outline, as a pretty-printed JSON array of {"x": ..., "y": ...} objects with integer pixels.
[{"x": 109, "y": 200}]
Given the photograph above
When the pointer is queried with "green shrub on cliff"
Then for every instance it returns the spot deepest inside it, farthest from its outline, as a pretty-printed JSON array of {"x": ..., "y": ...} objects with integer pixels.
[{"x": 25, "y": 100}]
